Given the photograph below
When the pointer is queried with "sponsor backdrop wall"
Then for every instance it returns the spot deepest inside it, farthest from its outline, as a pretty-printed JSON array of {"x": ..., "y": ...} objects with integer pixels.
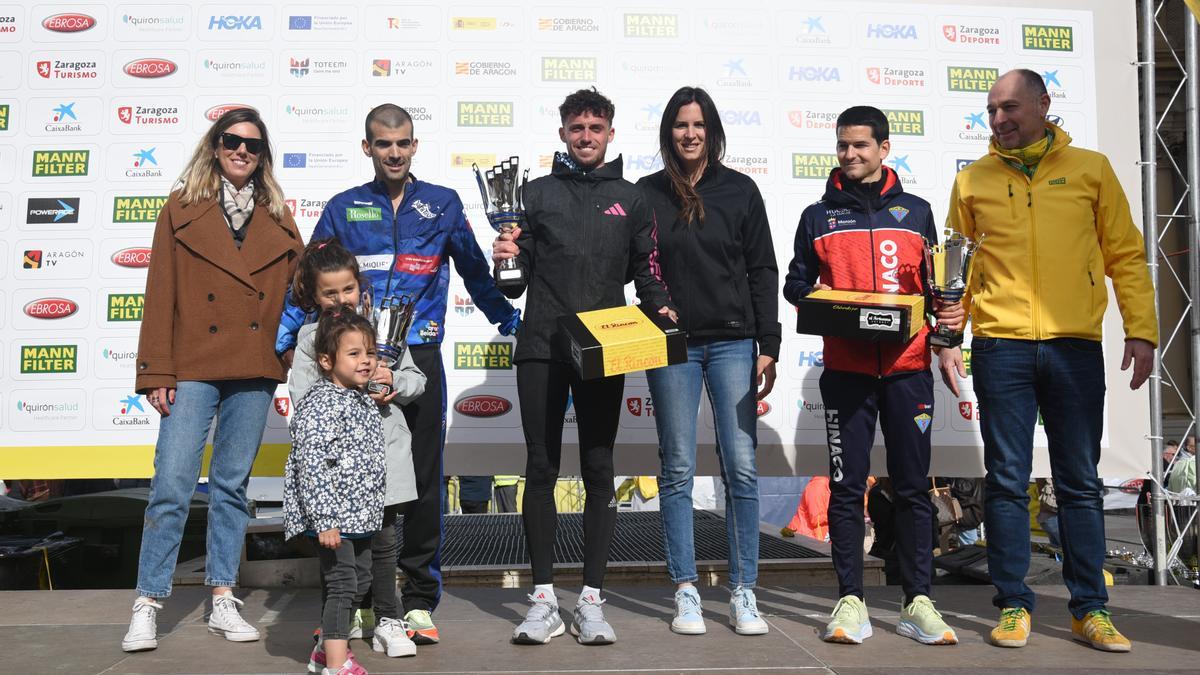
[{"x": 102, "y": 102}]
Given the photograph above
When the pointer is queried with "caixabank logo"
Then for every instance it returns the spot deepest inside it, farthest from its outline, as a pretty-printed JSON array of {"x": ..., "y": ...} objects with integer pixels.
[
  {"x": 129, "y": 209},
  {"x": 906, "y": 122},
  {"x": 42, "y": 359},
  {"x": 971, "y": 79},
  {"x": 1050, "y": 38},
  {"x": 651, "y": 26},
  {"x": 483, "y": 355},
  {"x": 125, "y": 307},
  {"x": 812, "y": 165},
  {"x": 60, "y": 163},
  {"x": 483, "y": 114},
  {"x": 568, "y": 69},
  {"x": 123, "y": 410}
]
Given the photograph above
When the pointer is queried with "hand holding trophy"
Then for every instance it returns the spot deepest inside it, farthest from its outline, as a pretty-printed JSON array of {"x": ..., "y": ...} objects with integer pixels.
[
  {"x": 504, "y": 209},
  {"x": 392, "y": 320},
  {"x": 948, "y": 270}
]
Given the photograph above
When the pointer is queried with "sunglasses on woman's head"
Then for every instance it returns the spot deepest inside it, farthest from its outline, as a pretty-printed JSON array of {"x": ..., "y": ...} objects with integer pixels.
[{"x": 233, "y": 142}]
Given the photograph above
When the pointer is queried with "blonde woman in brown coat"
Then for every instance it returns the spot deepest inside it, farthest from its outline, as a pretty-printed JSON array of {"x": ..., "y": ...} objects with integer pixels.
[{"x": 225, "y": 247}]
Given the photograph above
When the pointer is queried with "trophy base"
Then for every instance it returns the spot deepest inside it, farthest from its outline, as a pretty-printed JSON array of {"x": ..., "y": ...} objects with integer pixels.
[
  {"x": 509, "y": 278},
  {"x": 379, "y": 388},
  {"x": 947, "y": 341}
]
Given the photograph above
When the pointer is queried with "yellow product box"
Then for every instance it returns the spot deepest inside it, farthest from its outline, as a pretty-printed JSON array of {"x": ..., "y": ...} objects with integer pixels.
[
  {"x": 883, "y": 317},
  {"x": 619, "y": 340}
]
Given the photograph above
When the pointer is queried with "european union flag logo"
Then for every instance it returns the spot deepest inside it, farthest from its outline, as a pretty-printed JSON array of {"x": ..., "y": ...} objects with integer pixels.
[
  {"x": 295, "y": 160},
  {"x": 299, "y": 23}
]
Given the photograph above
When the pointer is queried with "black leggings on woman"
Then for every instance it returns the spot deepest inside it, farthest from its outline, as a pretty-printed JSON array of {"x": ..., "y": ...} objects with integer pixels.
[{"x": 543, "y": 388}]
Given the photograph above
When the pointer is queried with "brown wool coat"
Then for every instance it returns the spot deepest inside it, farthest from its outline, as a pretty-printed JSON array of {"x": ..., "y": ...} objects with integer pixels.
[{"x": 212, "y": 310}]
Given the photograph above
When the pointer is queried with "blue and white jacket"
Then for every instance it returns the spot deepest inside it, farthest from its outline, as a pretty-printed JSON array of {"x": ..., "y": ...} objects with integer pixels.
[
  {"x": 335, "y": 473},
  {"x": 408, "y": 252}
]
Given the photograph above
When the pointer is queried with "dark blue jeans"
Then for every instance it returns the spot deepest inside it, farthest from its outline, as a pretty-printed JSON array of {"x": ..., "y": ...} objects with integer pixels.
[{"x": 1065, "y": 379}]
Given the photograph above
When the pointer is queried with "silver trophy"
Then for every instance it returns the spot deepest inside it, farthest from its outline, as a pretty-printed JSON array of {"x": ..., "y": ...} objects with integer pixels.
[
  {"x": 947, "y": 275},
  {"x": 392, "y": 320},
  {"x": 503, "y": 206}
]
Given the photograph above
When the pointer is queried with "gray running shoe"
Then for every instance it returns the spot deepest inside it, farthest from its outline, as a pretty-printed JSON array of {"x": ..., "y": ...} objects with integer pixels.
[
  {"x": 541, "y": 623},
  {"x": 588, "y": 625}
]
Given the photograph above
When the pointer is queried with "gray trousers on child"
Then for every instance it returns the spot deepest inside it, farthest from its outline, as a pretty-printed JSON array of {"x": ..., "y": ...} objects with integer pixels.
[{"x": 346, "y": 573}]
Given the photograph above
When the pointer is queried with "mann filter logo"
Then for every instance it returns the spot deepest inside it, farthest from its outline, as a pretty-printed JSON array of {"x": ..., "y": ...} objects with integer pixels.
[
  {"x": 134, "y": 257},
  {"x": 483, "y": 355},
  {"x": 483, "y": 405},
  {"x": 52, "y": 210},
  {"x": 44, "y": 359},
  {"x": 568, "y": 25},
  {"x": 1047, "y": 38},
  {"x": 651, "y": 26},
  {"x": 150, "y": 68},
  {"x": 975, "y": 80},
  {"x": 68, "y": 23},
  {"x": 564, "y": 69},
  {"x": 125, "y": 306},
  {"x": 357, "y": 214},
  {"x": 51, "y": 163},
  {"x": 812, "y": 165},
  {"x": 484, "y": 114},
  {"x": 4, "y": 117},
  {"x": 50, "y": 308},
  {"x": 906, "y": 122},
  {"x": 137, "y": 209},
  {"x": 474, "y": 23}
]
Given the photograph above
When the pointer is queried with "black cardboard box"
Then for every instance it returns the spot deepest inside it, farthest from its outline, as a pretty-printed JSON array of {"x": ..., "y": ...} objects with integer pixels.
[
  {"x": 883, "y": 317},
  {"x": 620, "y": 340}
]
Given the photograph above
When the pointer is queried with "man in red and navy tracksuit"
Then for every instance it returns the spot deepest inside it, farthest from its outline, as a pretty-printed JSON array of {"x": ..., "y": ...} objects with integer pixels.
[{"x": 867, "y": 234}]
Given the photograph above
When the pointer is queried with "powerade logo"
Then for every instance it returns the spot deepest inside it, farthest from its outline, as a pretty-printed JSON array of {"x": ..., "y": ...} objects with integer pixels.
[
  {"x": 970, "y": 79},
  {"x": 483, "y": 355},
  {"x": 58, "y": 163},
  {"x": 137, "y": 209},
  {"x": 568, "y": 69},
  {"x": 813, "y": 165},
  {"x": 235, "y": 22},
  {"x": 651, "y": 25},
  {"x": 892, "y": 31},
  {"x": 358, "y": 214},
  {"x": 1047, "y": 38},
  {"x": 68, "y": 23},
  {"x": 484, "y": 114},
  {"x": 41, "y": 210},
  {"x": 125, "y": 306},
  {"x": 906, "y": 122},
  {"x": 42, "y": 359}
]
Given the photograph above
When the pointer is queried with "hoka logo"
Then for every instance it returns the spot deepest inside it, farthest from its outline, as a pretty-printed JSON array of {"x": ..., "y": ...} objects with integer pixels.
[{"x": 615, "y": 210}]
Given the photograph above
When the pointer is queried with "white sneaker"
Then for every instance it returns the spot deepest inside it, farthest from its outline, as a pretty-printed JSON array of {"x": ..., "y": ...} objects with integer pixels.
[
  {"x": 743, "y": 609},
  {"x": 391, "y": 636},
  {"x": 143, "y": 627},
  {"x": 227, "y": 622}
]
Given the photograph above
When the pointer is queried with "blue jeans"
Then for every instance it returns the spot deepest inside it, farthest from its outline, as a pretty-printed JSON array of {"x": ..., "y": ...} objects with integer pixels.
[
  {"x": 240, "y": 407},
  {"x": 1065, "y": 379},
  {"x": 726, "y": 368}
]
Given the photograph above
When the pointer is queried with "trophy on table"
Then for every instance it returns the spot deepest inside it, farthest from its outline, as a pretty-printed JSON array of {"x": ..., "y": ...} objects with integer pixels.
[
  {"x": 392, "y": 320},
  {"x": 503, "y": 206},
  {"x": 947, "y": 275}
]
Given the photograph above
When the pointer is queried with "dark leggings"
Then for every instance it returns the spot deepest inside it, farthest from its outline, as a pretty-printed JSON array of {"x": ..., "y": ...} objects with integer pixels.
[
  {"x": 384, "y": 549},
  {"x": 345, "y": 578},
  {"x": 543, "y": 388}
]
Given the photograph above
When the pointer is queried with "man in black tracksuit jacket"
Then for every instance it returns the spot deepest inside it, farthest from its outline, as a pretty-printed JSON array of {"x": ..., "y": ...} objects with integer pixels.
[{"x": 587, "y": 232}]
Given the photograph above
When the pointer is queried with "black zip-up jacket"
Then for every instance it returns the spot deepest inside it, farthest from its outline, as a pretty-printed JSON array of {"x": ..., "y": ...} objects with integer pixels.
[
  {"x": 585, "y": 235},
  {"x": 721, "y": 273}
]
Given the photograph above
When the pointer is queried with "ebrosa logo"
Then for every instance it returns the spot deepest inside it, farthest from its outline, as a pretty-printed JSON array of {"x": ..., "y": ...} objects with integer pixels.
[
  {"x": 482, "y": 405},
  {"x": 50, "y": 308},
  {"x": 150, "y": 68},
  {"x": 134, "y": 256},
  {"x": 214, "y": 113},
  {"x": 68, "y": 23}
]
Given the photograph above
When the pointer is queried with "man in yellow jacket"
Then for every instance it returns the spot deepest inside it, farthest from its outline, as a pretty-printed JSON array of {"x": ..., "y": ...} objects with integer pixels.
[{"x": 1057, "y": 222}]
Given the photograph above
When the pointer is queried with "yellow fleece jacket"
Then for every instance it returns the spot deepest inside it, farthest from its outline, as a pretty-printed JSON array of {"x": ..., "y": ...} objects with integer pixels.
[{"x": 1051, "y": 240}]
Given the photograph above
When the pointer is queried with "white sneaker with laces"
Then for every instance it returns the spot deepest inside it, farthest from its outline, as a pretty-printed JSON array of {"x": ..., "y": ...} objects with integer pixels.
[
  {"x": 391, "y": 636},
  {"x": 227, "y": 622},
  {"x": 143, "y": 627}
]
